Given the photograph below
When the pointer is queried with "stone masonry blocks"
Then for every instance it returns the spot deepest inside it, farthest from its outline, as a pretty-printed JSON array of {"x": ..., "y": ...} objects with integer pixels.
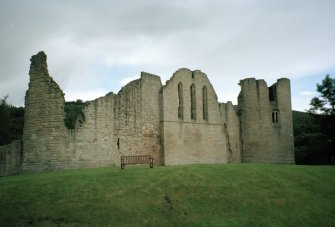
[{"x": 180, "y": 122}]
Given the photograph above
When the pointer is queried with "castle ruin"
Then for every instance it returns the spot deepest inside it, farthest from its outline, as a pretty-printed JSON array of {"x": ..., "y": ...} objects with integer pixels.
[{"x": 178, "y": 123}]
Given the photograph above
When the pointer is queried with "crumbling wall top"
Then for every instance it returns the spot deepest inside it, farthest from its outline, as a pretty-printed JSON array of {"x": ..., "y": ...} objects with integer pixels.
[{"x": 38, "y": 62}]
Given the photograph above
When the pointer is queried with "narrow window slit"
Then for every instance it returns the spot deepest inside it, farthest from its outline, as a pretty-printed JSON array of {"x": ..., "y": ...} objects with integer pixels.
[
  {"x": 180, "y": 101},
  {"x": 204, "y": 103},
  {"x": 193, "y": 102}
]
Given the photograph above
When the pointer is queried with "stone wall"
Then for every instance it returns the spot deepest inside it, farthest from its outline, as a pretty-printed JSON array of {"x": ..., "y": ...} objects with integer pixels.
[
  {"x": 11, "y": 158},
  {"x": 92, "y": 140},
  {"x": 151, "y": 138},
  {"x": 266, "y": 125},
  {"x": 187, "y": 140},
  {"x": 232, "y": 131},
  {"x": 178, "y": 123},
  {"x": 126, "y": 123}
]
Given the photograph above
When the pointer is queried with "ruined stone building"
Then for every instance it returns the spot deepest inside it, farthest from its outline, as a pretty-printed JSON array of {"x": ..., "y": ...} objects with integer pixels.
[{"x": 178, "y": 123}]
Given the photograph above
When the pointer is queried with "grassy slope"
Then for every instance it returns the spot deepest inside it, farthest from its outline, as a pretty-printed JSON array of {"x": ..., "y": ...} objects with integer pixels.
[{"x": 213, "y": 195}]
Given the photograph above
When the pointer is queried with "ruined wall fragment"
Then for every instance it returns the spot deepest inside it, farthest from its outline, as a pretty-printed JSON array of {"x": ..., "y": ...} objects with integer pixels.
[
  {"x": 11, "y": 158},
  {"x": 44, "y": 130},
  {"x": 232, "y": 131}
]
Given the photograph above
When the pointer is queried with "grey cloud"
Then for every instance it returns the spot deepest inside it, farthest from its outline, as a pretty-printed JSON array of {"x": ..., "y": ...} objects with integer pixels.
[{"x": 228, "y": 40}]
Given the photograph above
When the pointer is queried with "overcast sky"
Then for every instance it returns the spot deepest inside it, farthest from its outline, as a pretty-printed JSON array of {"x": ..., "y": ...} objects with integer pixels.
[{"x": 95, "y": 47}]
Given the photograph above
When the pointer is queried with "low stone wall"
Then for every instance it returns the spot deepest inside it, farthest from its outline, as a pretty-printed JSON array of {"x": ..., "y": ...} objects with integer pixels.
[{"x": 11, "y": 157}]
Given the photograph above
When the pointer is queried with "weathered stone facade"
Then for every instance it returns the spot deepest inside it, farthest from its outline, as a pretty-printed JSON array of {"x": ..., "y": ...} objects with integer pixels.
[
  {"x": 180, "y": 122},
  {"x": 266, "y": 121},
  {"x": 196, "y": 134}
]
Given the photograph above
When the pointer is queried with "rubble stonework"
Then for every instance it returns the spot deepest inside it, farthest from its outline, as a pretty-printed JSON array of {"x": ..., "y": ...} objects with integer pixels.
[{"x": 180, "y": 122}]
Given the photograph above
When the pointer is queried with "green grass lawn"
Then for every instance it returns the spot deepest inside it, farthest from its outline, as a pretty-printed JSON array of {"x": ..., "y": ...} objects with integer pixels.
[{"x": 196, "y": 195}]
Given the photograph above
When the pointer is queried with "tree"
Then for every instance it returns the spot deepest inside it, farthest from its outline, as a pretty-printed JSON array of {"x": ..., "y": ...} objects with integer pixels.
[
  {"x": 4, "y": 121},
  {"x": 11, "y": 122},
  {"x": 325, "y": 102},
  {"x": 323, "y": 111},
  {"x": 72, "y": 111}
]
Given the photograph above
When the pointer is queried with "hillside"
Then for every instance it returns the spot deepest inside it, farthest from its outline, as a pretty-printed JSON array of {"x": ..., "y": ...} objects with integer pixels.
[{"x": 203, "y": 195}]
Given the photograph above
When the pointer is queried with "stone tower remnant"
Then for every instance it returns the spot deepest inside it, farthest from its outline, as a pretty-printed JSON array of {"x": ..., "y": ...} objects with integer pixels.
[
  {"x": 180, "y": 122},
  {"x": 266, "y": 121},
  {"x": 44, "y": 131}
]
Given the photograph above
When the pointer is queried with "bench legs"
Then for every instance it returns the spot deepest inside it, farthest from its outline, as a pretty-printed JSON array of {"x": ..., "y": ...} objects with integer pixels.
[
  {"x": 151, "y": 162},
  {"x": 122, "y": 164}
]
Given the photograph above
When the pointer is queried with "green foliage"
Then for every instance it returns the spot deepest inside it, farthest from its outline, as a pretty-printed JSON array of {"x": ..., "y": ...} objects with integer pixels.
[
  {"x": 73, "y": 110},
  {"x": 325, "y": 102},
  {"x": 12, "y": 119},
  {"x": 11, "y": 122},
  {"x": 313, "y": 138},
  {"x": 196, "y": 195},
  {"x": 4, "y": 121}
]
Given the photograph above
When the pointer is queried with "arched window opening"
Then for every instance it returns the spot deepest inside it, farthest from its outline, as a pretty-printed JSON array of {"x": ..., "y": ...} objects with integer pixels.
[
  {"x": 193, "y": 103},
  {"x": 180, "y": 101},
  {"x": 275, "y": 117},
  {"x": 204, "y": 103}
]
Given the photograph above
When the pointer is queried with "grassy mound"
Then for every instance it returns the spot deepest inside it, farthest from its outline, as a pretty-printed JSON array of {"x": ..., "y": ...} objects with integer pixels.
[{"x": 197, "y": 195}]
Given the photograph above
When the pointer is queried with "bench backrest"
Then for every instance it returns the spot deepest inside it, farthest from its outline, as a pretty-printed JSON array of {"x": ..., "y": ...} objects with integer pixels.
[{"x": 136, "y": 159}]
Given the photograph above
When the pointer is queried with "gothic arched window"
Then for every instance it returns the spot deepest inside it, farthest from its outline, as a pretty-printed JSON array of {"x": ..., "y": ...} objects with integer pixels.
[
  {"x": 204, "y": 103},
  {"x": 180, "y": 101},
  {"x": 275, "y": 116},
  {"x": 193, "y": 103}
]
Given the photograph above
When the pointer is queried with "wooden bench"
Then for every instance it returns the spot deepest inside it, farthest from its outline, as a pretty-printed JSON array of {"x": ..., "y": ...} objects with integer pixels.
[{"x": 137, "y": 159}]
